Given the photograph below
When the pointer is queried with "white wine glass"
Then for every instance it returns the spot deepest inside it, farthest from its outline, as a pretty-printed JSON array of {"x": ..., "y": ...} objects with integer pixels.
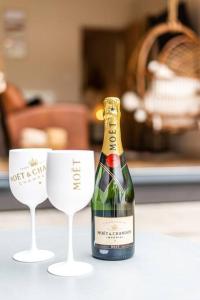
[
  {"x": 27, "y": 179},
  {"x": 70, "y": 186}
]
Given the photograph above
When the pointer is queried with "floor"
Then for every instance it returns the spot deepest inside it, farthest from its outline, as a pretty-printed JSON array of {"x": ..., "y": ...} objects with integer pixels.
[{"x": 175, "y": 219}]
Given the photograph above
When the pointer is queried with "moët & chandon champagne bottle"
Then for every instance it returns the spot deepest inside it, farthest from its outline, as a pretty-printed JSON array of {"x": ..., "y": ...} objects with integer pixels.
[{"x": 113, "y": 199}]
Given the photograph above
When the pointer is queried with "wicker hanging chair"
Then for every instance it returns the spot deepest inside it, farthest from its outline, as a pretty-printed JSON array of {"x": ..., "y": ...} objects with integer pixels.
[{"x": 182, "y": 56}]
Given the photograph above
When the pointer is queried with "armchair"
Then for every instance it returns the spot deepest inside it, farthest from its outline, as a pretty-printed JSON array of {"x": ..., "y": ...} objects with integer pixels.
[{"x": 17, "y": 116}]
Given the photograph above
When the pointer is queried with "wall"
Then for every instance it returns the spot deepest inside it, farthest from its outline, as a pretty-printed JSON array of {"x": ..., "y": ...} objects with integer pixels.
[
  {"x": 54, "y": 41},
  {"x": 155, "y": 6},
  {"x": 54, "y": 38}
]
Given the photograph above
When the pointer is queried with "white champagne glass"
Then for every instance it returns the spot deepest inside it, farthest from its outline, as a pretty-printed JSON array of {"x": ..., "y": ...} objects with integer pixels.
[
  {"x": 27, "y": 178},
  {"x": 70, "y": 185}
]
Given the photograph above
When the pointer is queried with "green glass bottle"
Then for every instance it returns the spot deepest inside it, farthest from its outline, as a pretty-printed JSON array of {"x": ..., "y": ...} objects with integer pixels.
[{"x": 113, "y": 199}]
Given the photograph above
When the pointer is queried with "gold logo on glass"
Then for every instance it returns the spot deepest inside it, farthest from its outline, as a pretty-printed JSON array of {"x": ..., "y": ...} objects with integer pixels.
[
  {"x": 33, "y": 162},
  {"x": 76, "y": 174},
  {"x": 34, "y": 171}
]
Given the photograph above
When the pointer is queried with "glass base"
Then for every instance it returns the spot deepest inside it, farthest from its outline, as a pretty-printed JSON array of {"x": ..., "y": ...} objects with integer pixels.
[
  {"x": 33, "y": 255},
  {"x": 74, "y": 268}
]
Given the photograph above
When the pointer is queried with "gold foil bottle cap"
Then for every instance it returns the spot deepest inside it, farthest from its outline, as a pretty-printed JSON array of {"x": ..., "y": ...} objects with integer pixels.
[
  {"x": 112, "y": 100},
  {"x": 111, "y": 105}
]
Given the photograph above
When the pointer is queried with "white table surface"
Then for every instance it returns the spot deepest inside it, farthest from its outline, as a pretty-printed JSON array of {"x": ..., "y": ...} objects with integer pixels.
[{"x": 164, "y": 268}]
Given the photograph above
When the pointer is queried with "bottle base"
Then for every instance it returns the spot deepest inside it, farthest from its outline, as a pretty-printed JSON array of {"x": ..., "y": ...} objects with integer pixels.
[{"x": 112, "y": 254}]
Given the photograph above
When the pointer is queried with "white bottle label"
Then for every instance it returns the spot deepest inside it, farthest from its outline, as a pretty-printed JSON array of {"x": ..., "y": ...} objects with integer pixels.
[{"x": 114, "y": 232}]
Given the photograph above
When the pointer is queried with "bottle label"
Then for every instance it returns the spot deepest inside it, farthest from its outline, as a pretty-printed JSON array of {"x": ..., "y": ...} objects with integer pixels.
[{"x": 113, "y": 232}]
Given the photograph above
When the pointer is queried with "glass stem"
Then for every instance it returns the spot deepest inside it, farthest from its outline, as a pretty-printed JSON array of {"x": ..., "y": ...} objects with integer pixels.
[
  {"x": 33, "y": 237},
  {"x": 70, "y": 255}
]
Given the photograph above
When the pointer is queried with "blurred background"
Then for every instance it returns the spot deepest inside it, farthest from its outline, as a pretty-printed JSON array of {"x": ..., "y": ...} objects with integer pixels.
[{"x": 59, "y": 59}]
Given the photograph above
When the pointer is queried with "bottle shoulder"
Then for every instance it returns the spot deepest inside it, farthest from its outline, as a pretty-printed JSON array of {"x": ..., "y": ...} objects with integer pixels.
[{"x": 113, "y": 185}]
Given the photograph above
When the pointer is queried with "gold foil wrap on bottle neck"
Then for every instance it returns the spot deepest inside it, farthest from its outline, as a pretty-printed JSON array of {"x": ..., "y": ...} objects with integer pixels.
[{"x": 112, "y": 135}]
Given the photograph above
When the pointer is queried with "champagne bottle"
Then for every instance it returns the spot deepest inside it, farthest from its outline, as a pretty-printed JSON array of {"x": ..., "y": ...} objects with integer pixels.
[{"x": 113, "y": 199}]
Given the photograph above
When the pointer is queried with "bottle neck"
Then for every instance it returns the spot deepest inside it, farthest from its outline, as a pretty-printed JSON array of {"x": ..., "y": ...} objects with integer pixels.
[{"x": 112, "y": 143}]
